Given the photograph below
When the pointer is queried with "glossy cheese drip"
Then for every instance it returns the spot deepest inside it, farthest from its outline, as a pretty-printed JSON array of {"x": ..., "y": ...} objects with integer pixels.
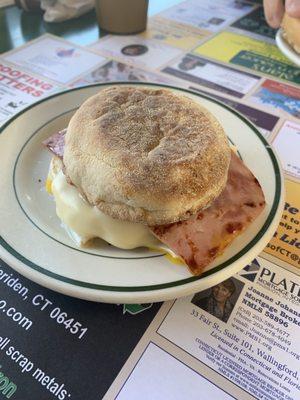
[{"x": 84, "y": 222}]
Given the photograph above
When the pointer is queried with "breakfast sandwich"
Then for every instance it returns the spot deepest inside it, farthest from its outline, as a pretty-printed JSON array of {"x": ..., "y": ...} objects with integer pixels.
[{"x": 140, "y": 167}]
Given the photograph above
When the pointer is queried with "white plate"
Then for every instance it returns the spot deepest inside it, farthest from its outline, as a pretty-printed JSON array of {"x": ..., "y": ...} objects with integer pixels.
[
  {"x": 33, "y": 242},
  {"x": 286, "y": 49}
]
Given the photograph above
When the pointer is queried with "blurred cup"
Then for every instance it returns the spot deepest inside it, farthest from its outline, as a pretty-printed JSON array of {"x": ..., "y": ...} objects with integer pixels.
[
  {"x": 122, "y": 16},
  {"x": 29, "y": 5}
]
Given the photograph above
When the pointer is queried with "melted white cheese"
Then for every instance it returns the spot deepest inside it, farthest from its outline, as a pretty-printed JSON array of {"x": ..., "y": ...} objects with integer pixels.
[{"x": 84, "y": 222}]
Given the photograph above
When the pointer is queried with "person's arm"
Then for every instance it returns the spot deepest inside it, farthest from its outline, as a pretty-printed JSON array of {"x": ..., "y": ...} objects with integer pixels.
[{"x": 274, "y": 10}]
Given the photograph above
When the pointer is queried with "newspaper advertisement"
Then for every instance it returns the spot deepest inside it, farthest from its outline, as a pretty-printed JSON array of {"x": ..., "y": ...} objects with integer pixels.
[
  {"x": 118, "y": 71},
  {"x": 174, "y": 33},
  {"x": 53, "y": 58},
  {"x": 137, "y": 50},
  {"x": 212, "y": 16},
  {"x": 252, "y": 339},
  {"x": 278, "y": 97},
  {"x": 239, "y": 341},
  {"x": 250, "y": 53},
  {"x": 266, "y": 122},
  {"x": 285, "y": 244},
  {"x": 255, "y": 22},
  {"x": 287, "y": 144},
  {"x": 212, "y": 75},
  {"x": 19, "y": 88}
]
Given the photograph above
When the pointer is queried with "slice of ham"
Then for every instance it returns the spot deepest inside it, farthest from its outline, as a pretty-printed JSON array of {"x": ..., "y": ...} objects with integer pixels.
[
  {"x": 204, "y": 236},
  {"x": 56, "y": 143}
]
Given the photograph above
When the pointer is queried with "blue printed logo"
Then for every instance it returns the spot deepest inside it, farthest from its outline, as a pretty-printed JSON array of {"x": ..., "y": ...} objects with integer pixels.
[{"x": 250, "y": 271}]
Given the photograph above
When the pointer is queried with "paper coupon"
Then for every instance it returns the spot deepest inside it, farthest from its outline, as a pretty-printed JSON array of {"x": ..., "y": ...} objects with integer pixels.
[
  {"x": 134, "y": 49},
  {"x": 212, "y": 75},
  {"x": 18, "y": 89},
  {"x": 250, "y": 53},
  {"x": 246, "y": 329},
  {"x": 287, "y": 144},
  {"x": 285, "y": 244},
  {"x": 173, "y": 33},
  {"x": 206, "y": 14},
  {"x": 278, "y": 97},
  {"x": 54, "y": 58}
]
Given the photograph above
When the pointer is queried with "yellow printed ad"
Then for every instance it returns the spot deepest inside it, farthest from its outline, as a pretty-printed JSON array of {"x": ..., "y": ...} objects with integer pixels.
[
  {"x": 285, "y": 244},
  {"x": 175, "y": 34},
  {"x": 227, "y": 45}
]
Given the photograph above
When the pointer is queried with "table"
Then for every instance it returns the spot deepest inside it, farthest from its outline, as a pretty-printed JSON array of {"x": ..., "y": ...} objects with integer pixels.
[{"x": 18, "y": 27}]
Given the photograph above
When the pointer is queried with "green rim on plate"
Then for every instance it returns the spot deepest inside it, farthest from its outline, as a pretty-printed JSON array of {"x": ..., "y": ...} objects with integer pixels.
[
  {"x": 258, "y": 236},
  {"x": 38, "y": 227}
]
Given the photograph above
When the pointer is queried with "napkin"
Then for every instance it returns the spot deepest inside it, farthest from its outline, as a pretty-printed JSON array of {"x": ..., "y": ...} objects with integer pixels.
[{"x": 62, "y": 10}]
